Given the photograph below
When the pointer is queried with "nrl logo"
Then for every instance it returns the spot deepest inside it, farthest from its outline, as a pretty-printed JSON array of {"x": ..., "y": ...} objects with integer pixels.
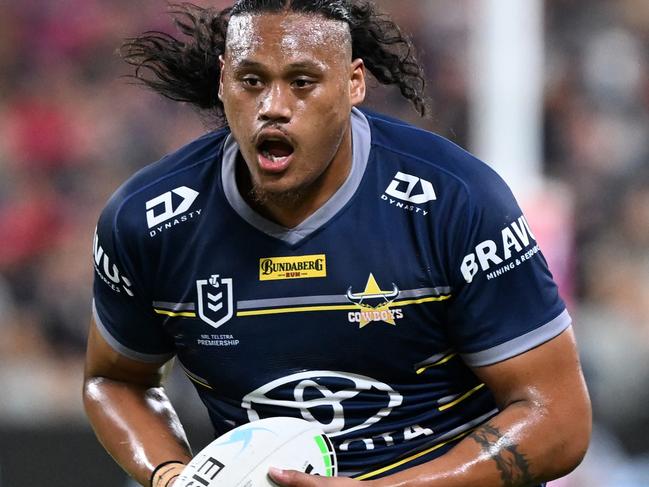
[
  {"x": 215, "y": 300},
  {"x": 374, "y": 303}
]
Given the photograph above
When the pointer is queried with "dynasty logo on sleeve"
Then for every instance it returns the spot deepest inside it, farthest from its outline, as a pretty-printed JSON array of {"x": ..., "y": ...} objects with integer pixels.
[{"x": 170, "y": 209}]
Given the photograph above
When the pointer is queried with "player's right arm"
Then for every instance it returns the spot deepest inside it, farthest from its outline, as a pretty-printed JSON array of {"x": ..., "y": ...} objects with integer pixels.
[
  {"x": 131, "y": 414},
  {"x": 128, "y": 345}
]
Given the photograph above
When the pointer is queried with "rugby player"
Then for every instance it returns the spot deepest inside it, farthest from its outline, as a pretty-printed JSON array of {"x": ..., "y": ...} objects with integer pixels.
[{"x": 313, "y": 259}]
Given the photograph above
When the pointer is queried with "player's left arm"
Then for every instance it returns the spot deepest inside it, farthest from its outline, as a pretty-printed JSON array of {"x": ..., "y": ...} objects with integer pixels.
[{"x": 541, "y": 433}]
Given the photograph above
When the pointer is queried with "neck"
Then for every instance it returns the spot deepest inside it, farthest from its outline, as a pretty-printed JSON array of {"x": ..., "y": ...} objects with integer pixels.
[{"x": 292, "y": 208}]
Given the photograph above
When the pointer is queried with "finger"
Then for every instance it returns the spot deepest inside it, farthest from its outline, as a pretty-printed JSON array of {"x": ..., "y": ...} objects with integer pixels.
[{"x": 290, "y": 478}]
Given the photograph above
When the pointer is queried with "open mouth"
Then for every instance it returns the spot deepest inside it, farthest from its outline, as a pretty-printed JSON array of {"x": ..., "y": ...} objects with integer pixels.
[{"x": 275, "y": 154}]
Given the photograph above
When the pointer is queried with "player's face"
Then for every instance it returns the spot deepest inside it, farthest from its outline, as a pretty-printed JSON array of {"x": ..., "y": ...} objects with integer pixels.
[{"x": 288, "y": 85}]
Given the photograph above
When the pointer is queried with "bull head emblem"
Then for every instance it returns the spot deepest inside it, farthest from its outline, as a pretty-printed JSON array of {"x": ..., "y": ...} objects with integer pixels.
[{"x": 374, "y": 294}]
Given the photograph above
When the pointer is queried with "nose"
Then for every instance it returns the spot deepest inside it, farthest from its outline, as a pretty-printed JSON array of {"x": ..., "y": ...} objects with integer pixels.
[{"x": 275, "y": 104}]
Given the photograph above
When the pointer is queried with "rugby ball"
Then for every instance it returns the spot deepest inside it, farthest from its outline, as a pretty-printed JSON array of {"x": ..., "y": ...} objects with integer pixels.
[{"x": 241, "y": 457}]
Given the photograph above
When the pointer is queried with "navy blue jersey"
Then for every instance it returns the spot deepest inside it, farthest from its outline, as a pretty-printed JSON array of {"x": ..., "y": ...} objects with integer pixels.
[{"x": 366, "y": 318}]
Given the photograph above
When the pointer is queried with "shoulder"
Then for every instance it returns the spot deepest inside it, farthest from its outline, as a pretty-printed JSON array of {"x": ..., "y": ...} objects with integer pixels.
[
  {"x": 426, "y": 155},
  {"x": 174, "y": 180}
]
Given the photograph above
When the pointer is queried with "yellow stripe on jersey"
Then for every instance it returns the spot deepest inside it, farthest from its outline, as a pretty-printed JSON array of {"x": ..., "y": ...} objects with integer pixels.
[
  {"x": 183, "y": 314},
  {"x": 441, "y": 361},
  {"x": 307, "y": 309},
  {"x": 200, "y": 383},
  {"x": 194, "y": 378},
  {"x": 461, "y": 398},
  {"x": 392, "y": 466},
  {"x": 340, "y": 307},
  {"x": 420, "y": 301},
  {"x": 302, "y": 309}
]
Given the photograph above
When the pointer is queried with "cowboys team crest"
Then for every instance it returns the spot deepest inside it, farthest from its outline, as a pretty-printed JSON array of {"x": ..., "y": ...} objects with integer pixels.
[
  {"x": 215, "y": 300},
  {"x": 374, "y": 304}
]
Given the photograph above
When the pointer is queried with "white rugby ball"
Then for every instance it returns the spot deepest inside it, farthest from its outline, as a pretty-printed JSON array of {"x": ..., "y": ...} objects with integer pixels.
[{"x": 241, "y": 457}]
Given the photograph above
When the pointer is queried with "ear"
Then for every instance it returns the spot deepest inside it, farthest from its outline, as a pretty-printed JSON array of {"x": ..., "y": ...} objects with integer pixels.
[
  {"x": 357, "y": 86},
  {"x": 222, "y": 63}
]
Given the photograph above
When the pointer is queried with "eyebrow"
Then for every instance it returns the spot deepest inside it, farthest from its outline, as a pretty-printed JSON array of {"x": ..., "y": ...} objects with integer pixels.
[{"x": 248, "y": 64}]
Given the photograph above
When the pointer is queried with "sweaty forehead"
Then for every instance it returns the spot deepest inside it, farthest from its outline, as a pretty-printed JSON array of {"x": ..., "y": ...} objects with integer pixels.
[{"x": 292, "y": 34}]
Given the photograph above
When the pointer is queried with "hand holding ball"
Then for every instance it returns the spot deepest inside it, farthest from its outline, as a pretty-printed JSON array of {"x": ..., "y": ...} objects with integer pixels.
[{"x": 242, "y": 457}]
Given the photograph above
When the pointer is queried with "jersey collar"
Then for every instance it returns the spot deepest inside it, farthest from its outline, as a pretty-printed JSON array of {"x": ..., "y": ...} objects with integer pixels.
[{"x": 361, "y": 144}]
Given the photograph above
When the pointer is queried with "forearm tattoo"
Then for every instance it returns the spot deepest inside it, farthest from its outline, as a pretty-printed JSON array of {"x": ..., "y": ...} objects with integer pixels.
[{"x": 512, "y": 464}]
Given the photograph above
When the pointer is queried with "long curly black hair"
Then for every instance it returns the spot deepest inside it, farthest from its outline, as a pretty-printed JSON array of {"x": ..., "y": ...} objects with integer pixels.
[{"x": 188, "y": 69}]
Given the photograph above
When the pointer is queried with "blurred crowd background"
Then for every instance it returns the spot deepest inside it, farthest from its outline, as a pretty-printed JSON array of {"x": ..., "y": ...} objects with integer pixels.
[{"x": 72, "y": 129}]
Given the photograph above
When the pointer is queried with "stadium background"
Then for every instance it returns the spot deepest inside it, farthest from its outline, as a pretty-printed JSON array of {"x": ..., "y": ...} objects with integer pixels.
[{"x": 71, "y": 130}]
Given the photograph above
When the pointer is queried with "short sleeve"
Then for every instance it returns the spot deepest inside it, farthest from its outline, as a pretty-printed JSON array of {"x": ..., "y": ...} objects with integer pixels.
[
  {"x": 121, "y": 305},
  {"x": 505, "y": 300}
]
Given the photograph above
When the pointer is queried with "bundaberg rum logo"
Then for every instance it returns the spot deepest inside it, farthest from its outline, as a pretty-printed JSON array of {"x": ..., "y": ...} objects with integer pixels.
[{"x": 296, "y": 267}]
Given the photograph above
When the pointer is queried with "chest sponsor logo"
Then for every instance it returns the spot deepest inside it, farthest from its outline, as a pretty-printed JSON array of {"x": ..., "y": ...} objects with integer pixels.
[
  {"x": 298, "y": 267},
  {"x": 108, "y": 271},
  {"x": 515, "y": 246},
  {"x": 215, "y": 300},
  {"x": 339, "y": 402},
  {"x": 408, "y": 193},
  {"x": 171, "y": 209},
  {"x": 374, "y": 304}
]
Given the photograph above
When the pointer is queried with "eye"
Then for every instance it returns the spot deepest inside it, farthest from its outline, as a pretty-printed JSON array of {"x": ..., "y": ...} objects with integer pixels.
[
  {"x": 302, "y": 83},
  {"x": 251, "y": 81}
]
